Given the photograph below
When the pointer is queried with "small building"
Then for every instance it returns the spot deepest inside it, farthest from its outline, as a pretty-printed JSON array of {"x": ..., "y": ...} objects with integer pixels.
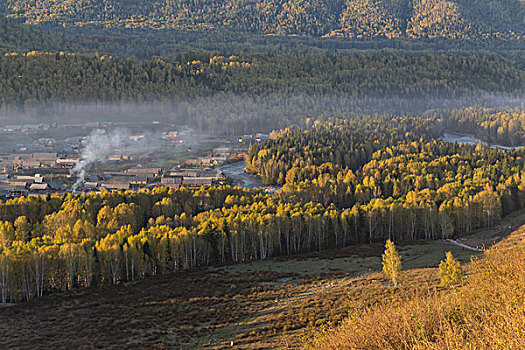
[
  {"x": 206, "y": 161},
  {"x": 184, "y": 173},
  {"x": 67, "y": 162},
  {"x": 18, "y": 191},
  {"x": 47, "y": 163},
  {"x": 223, "y": 151},
  {"x": 116, "y": 186},
  {"x": 197, "y": 181},
  {"x": 173, "y": 186},
  {"x": 13, "y": 190},
  {"x": 20, "y": 183},
  {"x": 38, "y": 179},
  {"x": 90, "y": 185},
  {"x": 171, "y": 180},
  {"x": 94, "y": 178},
  {"x": 213, "y": 160},
  {"x": 141, "y": 180},
  {"x": 55, "y": 186},
  {"x": 126, "y": 177},
  {"x": 115, "y": 157},
  {"x": 149, "y": 172},
  {"x": 20, "y": 156},
  {"x": 30, "y": 164},
  {"x": 44, "y": 156},
  {"x": 39, "y": 188},
  {"x": 30, "y": 179}
]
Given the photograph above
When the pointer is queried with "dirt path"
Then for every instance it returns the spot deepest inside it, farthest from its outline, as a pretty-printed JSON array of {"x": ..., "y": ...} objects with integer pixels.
[{"x": 452, "y": 241}]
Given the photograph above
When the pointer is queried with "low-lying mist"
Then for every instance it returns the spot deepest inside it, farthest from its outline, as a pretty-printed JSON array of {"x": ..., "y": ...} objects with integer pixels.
[{"x": 238, "y": 114}]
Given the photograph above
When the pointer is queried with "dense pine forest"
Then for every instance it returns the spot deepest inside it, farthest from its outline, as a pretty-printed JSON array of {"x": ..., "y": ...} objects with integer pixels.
[
  {"x": 345, "y": 182},
  {"x": 500, "y": 127},
  {"x": 244, "y": 93},
  {"x": 352, "y": 146},
  {"x": 68, "y": 77},
  {"x": 458, "y": 19}
]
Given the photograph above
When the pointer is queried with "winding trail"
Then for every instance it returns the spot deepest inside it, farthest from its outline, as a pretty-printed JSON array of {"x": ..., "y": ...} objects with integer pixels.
[{"x": 464, "y": 245}]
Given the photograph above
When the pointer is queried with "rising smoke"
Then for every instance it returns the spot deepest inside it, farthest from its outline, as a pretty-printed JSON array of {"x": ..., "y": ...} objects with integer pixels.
[{"x": 99, "y": 145}]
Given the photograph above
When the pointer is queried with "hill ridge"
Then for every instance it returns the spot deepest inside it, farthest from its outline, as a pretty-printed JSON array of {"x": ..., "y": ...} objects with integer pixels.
[{"x": 451, "y": 19}]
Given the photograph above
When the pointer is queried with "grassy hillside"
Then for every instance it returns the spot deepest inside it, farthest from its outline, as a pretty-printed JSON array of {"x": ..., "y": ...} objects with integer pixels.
[
  {"x": 257, "y": 305},
  {"x": 270, "y": 304},
  {"x": 351, "y": 18},
  {"x": 486, "y": 312}
]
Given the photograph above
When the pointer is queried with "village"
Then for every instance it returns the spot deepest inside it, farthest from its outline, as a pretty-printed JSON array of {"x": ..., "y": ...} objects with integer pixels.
[{"x": 162, "y": 155}]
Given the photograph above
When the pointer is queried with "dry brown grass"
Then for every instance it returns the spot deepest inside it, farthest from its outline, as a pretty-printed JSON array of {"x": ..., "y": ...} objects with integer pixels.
[
  {"x": 260, "y": 305},
  {"x": 270, "y": 304},
  {"x": 486, "y": 312}
]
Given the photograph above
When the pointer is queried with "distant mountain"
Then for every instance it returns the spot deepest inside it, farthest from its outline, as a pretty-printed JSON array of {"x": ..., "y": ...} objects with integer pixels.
[{"x": 455, "y": 19}]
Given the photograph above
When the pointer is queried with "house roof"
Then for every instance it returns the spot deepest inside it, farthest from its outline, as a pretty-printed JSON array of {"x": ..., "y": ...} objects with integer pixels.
[
  {"x": 116, "y": 185},
  {"x": 90, "y": 184},
  {"x": 12, "y": 188},
  {"x": 44, "y": 156},
  {"x": 20, "y": 183},
  {"x": 39, "y": 187},
  {"x": 31, "y": 163}
]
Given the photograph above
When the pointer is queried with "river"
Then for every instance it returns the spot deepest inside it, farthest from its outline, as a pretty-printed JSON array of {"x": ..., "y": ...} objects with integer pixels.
[
  {"x": 469, "y": 139},
  {"x": 235, "y": 172}
]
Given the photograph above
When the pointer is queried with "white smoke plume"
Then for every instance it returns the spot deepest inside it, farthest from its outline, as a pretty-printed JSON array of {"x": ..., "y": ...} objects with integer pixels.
[{"x": 100, "y": 145}]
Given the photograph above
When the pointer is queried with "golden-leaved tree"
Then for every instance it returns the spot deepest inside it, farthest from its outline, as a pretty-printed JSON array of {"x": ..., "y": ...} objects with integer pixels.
[
  {"x": 391, "y": 262},
  {"x": 450, "y": 271}
]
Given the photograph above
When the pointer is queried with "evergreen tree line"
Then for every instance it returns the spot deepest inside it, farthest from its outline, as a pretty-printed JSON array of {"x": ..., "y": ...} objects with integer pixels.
[{"x": 250, "y": 92}]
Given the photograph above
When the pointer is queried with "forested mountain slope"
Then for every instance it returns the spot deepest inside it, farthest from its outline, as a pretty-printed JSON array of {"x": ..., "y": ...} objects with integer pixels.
[
  {"x": 247, "y": 92},
  {"x": 67, "y": 77},
  {"x": 458, "y": 19},
  {"x": 15, "y": 36}
]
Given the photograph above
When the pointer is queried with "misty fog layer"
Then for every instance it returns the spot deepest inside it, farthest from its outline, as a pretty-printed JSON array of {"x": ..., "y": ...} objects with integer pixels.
[{"x": 230, "y": 114}]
